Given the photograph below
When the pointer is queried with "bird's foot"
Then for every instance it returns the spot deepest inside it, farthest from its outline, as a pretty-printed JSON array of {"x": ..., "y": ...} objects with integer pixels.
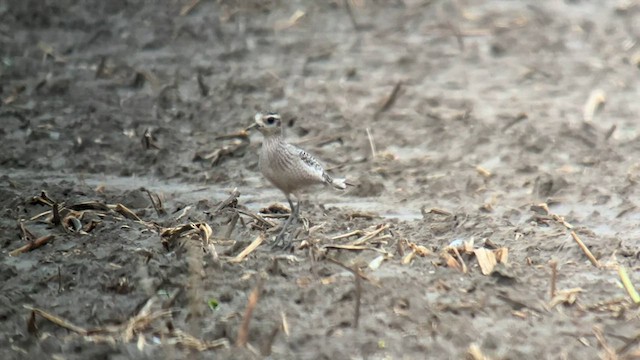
[{"x": 282, "y": 241}]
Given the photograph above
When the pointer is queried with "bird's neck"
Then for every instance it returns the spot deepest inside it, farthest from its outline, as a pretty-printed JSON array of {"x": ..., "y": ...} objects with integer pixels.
[{"x": 273, "y": 138}]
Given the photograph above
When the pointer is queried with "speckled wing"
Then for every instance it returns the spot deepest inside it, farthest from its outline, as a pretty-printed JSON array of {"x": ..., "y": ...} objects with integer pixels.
[{"x": 312, "y": 164}]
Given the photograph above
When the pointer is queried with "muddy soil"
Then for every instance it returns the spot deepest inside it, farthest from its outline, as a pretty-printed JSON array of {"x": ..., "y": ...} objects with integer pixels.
[{"x": 454, "y": 119}]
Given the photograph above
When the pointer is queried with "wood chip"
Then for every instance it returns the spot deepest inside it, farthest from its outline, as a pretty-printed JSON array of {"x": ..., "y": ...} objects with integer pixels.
[{"x": 486, "y": 259}]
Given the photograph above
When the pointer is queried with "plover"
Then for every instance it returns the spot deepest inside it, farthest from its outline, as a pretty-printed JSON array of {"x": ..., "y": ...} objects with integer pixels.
[{"x": 288, "y": 167}]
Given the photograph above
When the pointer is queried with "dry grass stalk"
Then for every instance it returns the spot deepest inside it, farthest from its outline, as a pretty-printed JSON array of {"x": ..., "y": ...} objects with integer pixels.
[
  {"x": 585, "y": 249},
  {"x": 464, "y": 268},
  {"x": 354, "y": 248},
  {"x": 543, "y": 208},
  {"x": 140, "y": 322},
  {"x": 609, "y": 352},
  {"x": 370, "y": 235},
  {"x": 57, "y": 320},
  {"x": 248, "y": 250},
  {"x": 628, "y": 285},
  {"x": 230, "y": 201},
  {"x": 372, "y": 146},
  {"x": 349, "y": 234},
  {"x": 285, "y": 324},
  {"x": 190, "y": 341},
  {"x": 268, "y": 224},
  {"x": 130, "y": 330},
  {"x": 156, "y": 202},
  {"x": 243, "y": 332},
  {"x": 291, "y": 22},
  {"x": 126, "y": 212}
]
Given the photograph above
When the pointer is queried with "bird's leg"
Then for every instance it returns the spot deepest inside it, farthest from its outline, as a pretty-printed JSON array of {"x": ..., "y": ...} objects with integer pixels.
[{"x": 280, "y": 240}]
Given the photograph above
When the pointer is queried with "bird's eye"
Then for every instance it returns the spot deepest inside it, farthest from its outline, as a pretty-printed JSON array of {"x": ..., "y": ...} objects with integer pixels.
[{"x": 271, "y": 120}]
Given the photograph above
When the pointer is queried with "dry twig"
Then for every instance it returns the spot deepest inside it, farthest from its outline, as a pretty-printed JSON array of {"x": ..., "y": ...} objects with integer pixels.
[
  {"x": 243, "y": 332},
  {"x": 390, "y": 100},
  {"x": 358, "y": 288},
  {"x": 32, "y": 245},
  {"x": 585, "y": 249},
  {"x": 554, "y": 277}
]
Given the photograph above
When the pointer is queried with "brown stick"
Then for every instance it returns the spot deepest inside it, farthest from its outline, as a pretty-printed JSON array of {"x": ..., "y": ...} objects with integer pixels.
[
  {"x": 390, "y": 100},
  {"x": 32, "y": 245},
  {"x": 357, "y": 275},
  {"x": 231, "y": 225},
  {"x": 156, "y": 202},
  {"x": 356, "y": 314},
  {"x": 628, "y": 345},
  {"x": 585, "y": 249},
  {"x": 186, "y": 9},
  {"x": 352, "y": 17},
  {"x": 233, "y": 198},
  {"x": 56, "y": 214},
  {"x": 554, "y": 277},
  {"x": 243, "y": 332}
]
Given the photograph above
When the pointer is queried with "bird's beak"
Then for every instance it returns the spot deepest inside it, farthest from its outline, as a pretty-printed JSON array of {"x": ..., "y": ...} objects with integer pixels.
[{"x": 251, "y": 127}]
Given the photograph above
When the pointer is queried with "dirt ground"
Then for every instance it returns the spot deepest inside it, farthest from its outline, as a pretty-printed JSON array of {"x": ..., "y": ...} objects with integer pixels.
[{"x": 456, "y": 120}]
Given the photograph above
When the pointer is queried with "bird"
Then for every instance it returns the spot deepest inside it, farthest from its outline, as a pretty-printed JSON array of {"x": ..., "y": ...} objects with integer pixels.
[{"x": 288, "y": 167}]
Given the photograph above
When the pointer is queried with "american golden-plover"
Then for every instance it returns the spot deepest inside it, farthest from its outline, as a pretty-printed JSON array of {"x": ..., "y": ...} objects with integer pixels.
[{"x": 288, "y": 167}]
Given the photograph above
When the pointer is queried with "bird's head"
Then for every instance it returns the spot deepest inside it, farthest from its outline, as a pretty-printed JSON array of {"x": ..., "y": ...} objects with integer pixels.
[{"x": 268, "y": 124}]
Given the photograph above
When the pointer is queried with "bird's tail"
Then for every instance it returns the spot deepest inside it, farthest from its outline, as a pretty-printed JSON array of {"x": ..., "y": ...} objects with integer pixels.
[{"x": 340, "y": 183}]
